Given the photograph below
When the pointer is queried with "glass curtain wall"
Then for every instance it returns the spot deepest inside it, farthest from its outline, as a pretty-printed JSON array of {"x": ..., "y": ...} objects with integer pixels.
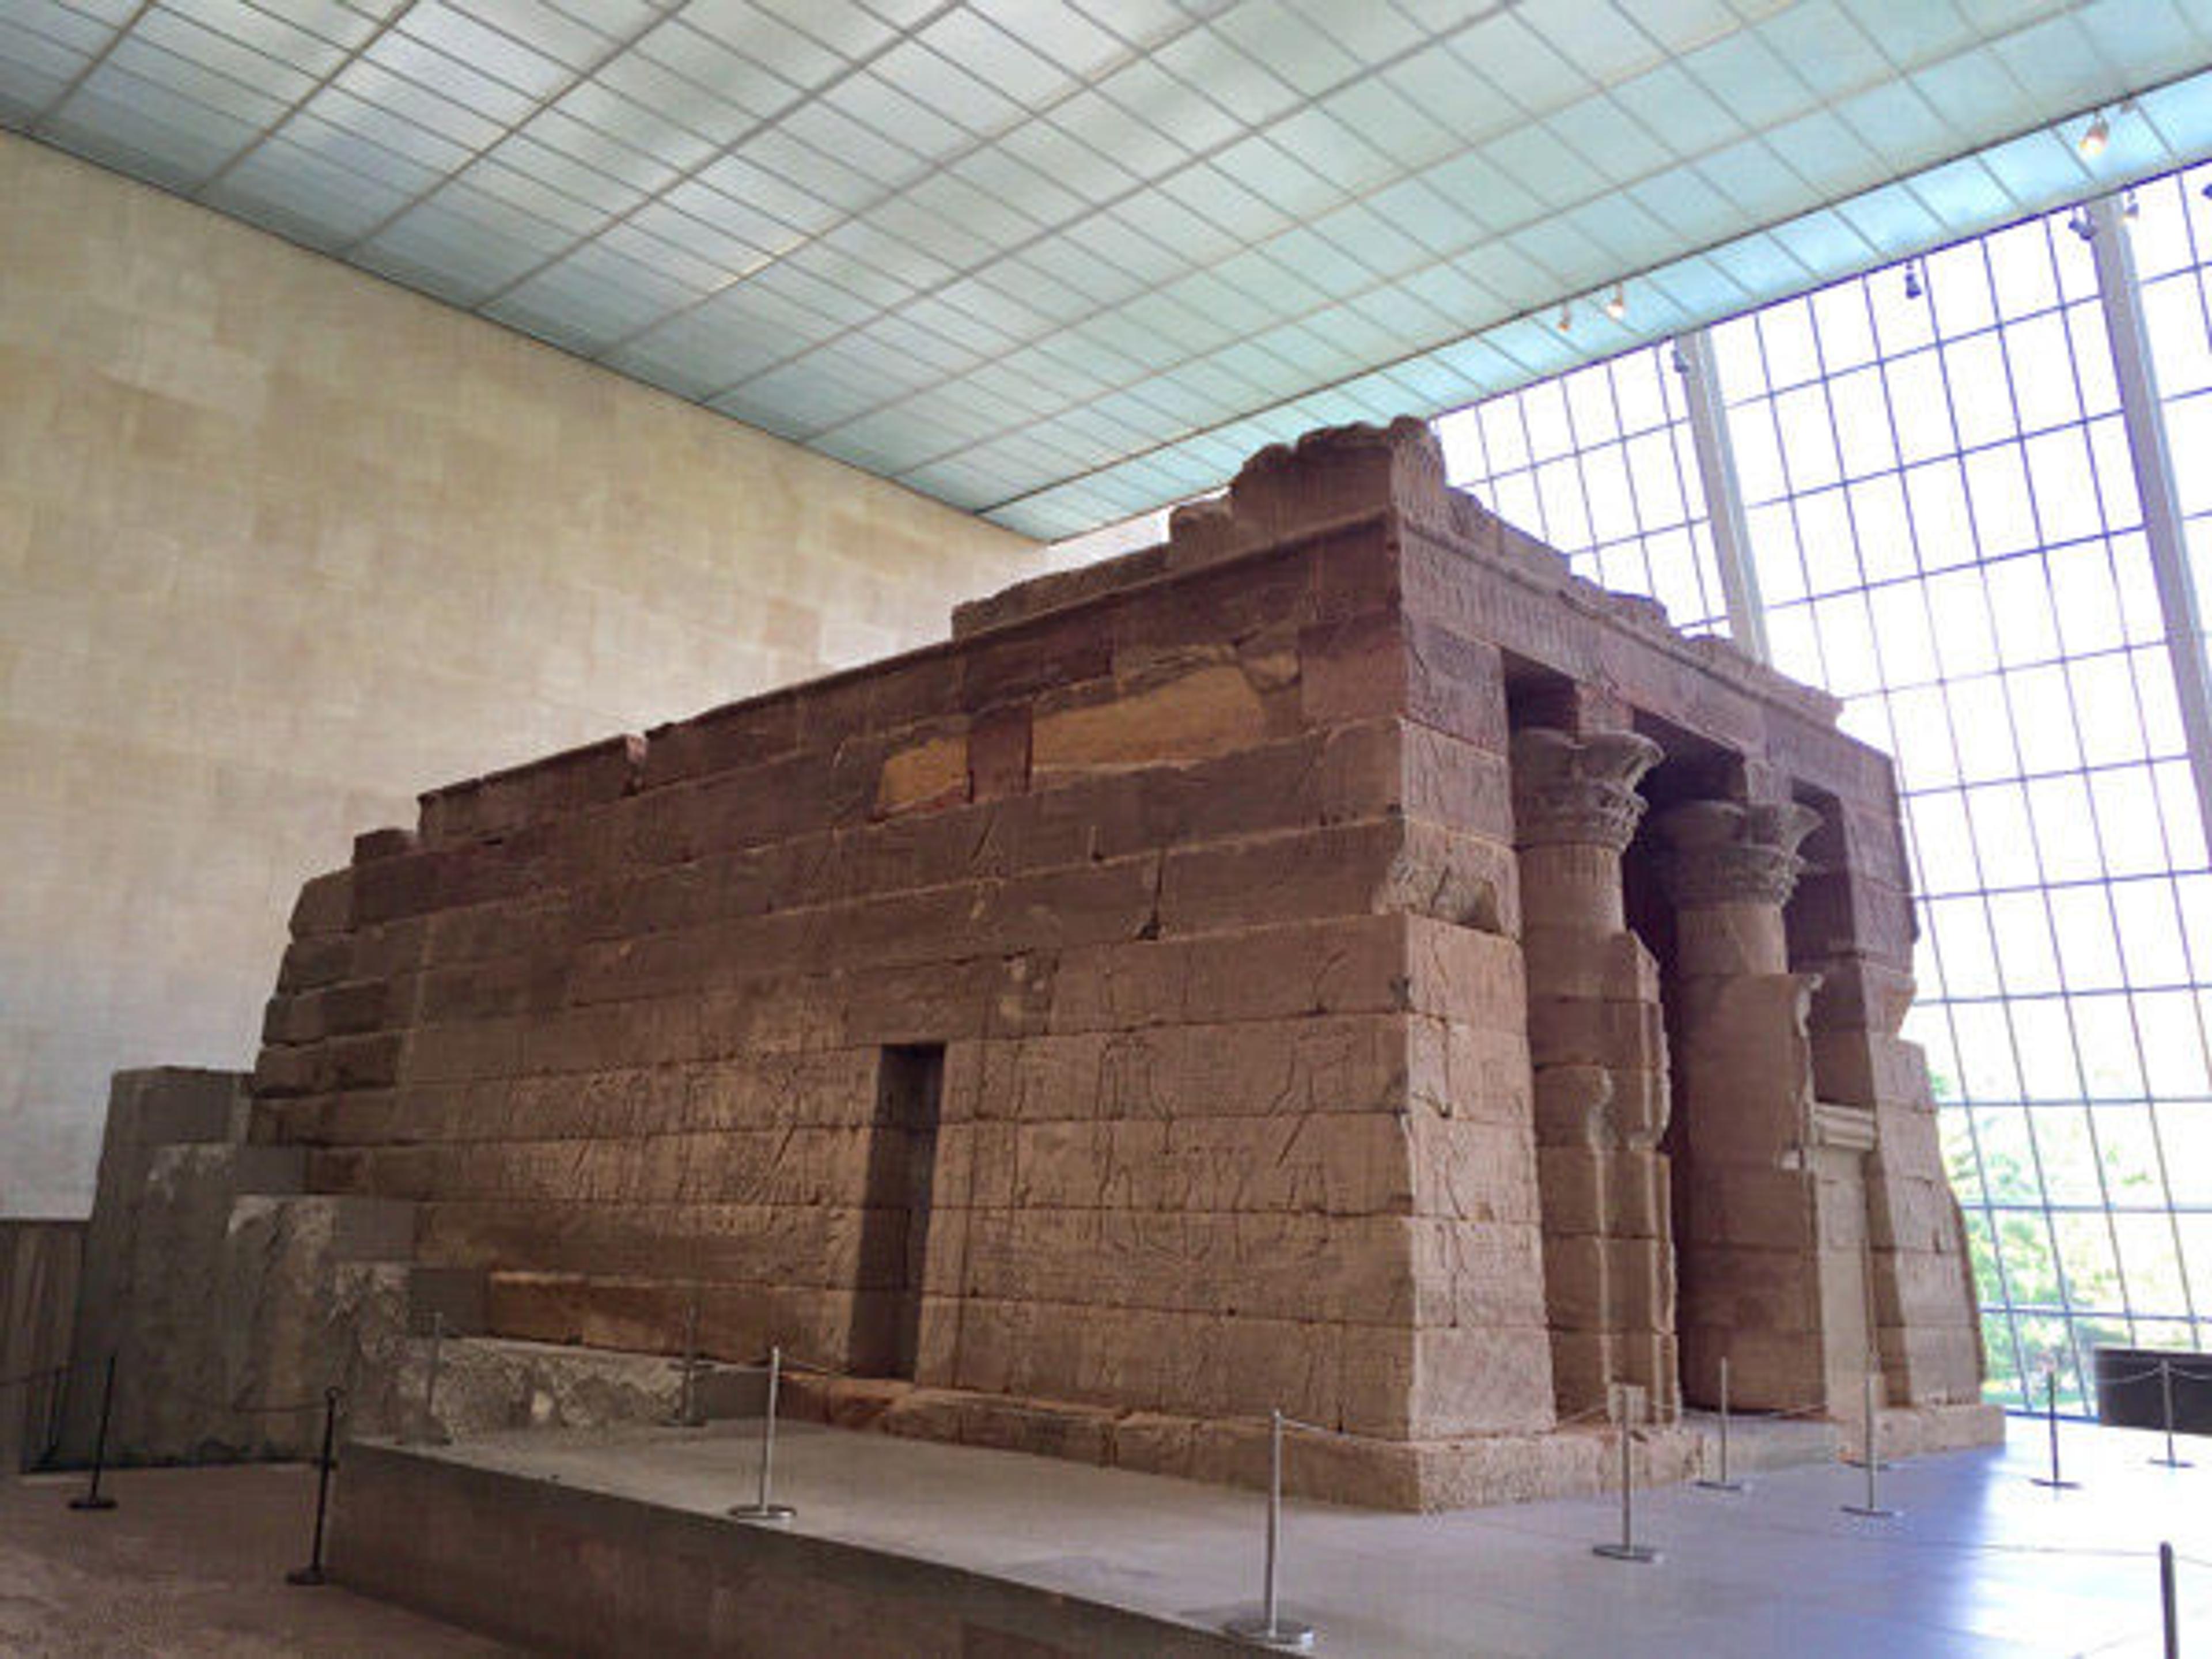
[
  {"x": 1599, "y": 462},
  {"x": 1943, "y": 520}
]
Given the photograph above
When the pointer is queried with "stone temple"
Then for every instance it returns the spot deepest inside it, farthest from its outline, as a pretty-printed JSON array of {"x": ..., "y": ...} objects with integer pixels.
[{"x": 1335, "y": 960}]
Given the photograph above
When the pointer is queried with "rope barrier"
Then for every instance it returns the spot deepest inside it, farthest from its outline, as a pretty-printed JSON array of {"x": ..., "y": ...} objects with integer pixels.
[
  {"x": 1963, "y": 1546},
  {"x": 285, "y": 1409},
  {"x": 777, "y": 1364},
  {"x": 2146, "y": 1375},
  {"x": 1812, "y": 1411}
]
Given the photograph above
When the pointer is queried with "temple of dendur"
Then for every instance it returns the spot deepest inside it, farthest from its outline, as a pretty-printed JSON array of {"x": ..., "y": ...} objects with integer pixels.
[{"x": 1336, "y": 960}]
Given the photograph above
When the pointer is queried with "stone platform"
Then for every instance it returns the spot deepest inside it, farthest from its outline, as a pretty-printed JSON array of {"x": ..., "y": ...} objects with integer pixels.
[
  {"x": 1362, "y": 1470},
  {"x": 1573, "y": 1461},
  {"x": 616, "y": 1542}
]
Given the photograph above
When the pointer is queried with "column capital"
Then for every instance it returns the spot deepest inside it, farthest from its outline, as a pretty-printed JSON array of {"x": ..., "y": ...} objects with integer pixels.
[
  {"x": 1722, "y": 852},
  {"x": 1578, "y": 791}
]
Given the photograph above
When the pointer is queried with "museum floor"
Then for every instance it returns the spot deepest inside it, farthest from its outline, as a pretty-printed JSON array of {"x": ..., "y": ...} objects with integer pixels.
[
  {"x": 190, "y": 1563},
  {"x": 1981, "y": 1561}
]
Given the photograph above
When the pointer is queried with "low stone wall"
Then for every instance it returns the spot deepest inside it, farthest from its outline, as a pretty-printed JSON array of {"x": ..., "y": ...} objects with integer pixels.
[
  {"x": 589, "y": 1573},
  {"x": 227, "y": 1299}
]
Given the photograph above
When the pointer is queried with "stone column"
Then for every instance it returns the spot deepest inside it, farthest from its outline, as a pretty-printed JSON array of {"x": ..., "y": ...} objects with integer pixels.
[
  {"x": 1749, "y": 1246},
  {"x": 1598, "y": 1048}
]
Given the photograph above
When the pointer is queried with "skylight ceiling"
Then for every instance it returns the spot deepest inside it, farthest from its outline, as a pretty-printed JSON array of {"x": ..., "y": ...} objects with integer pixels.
[{"x": 1058, "y": 261}]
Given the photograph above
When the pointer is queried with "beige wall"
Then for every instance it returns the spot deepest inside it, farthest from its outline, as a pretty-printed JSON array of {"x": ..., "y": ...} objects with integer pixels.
[{"x": 281, "y": 545}]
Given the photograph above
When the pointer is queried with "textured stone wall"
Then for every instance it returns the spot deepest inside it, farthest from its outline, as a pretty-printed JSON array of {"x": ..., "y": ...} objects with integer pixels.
[
  {"x": 280, "y": 545},
  {"x": 1235, "y": 1107},
  {"x": 41, "y": 1265},
  {"x": 1201, "y": 868}
]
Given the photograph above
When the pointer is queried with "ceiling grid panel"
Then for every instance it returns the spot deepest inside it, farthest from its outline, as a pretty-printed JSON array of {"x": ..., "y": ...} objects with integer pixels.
[{"x": 1043, "y": 257}]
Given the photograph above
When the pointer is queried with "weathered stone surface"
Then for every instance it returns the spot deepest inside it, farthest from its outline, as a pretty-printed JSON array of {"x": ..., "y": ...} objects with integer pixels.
[
  {"x": 1233, "y": 978},
  {"x": 148, "y": 1111},
  {"x": 924, "y": 776},
  {"x": 1186, "y": 711}
]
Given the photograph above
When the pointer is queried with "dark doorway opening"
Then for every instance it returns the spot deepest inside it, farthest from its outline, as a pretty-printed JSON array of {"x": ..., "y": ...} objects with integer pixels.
[{"x": 886, "y": 1329}]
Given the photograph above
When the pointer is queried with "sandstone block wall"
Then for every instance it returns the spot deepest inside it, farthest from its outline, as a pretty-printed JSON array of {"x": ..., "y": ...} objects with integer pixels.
[
  {"x": 1204, "y": 903},
  {"x": 1119, "y": 1012}
]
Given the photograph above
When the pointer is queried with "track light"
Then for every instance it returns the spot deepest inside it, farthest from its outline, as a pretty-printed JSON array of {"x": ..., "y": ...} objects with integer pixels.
[
  {"x": 1681, "y": 363},
  {"x": 2130, "y": 208},
  {"x": 2081, "y": 224},
  {"x": 1617, "y": 306},
  {"x": 2205, "y": 191},
  {"x": 2094, "y": 136},
  {"x": 1912, "y": 288},
  {"x": 1566, "y": 316}
]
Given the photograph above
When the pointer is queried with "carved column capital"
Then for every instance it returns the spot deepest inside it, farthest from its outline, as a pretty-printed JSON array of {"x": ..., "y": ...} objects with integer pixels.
[
  {"x": 1721, "y": 852},
  {"x": 1578, "y": 791}
]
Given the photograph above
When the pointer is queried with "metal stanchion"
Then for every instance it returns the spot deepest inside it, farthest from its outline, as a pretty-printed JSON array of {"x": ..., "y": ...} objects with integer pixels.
[
  {"x": 1873, "y": 1389},
  {"x": 311, "y": 1574},
  {"x": 761, "y": 1509},
  {"x": 1869, "y": 1462},
  {"x": 2055, "y": 1480},
  {"x": 1723, "y": 1483},
  {"x": 2168, "y": 1602},
  {"x": 1270, "y": 1629},
  {"x": 93, "y": 1498},
  {"x": 428, "y": 1430},
  {"x": 2166, "y": 1400},
  {"x": 1627, "y": 1549},
  {"x": 688, "y": 1414}
]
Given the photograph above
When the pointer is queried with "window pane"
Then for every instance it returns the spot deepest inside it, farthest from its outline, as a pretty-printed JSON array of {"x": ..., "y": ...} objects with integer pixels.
[{"x": 1944, "y": 524}]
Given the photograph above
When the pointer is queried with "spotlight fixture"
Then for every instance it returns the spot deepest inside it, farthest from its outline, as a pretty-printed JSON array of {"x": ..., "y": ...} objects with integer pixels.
[
  {"x": 2081, "y": 224},
  {"x": 1912, "y": 288},
  {"x": 1566, "y": 316},
  {"x": 2094, "y": 136},
  {"x": 2130, "y": 208},
  {"x": 2205, "y": 191},
  {"x": 1617, "y": 306},
  {"x": 1681, "y": 363}
]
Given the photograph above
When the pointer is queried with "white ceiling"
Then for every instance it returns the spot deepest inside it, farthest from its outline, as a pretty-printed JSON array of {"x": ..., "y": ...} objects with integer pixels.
[{"x": 1058, "y": 261}]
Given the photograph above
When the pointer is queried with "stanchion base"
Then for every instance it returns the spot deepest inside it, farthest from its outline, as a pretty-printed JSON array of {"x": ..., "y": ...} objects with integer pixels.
[
  {"x": 2173, "y": 1462},
  {"x": 306, "y": 1577},
  {"x": 100, "y": 1502},
  {"x": 1723, "y": 1486},
  {"x": 1882, "y": 1467},
  {"x": 1625, "y": 1552},
  {"x": 1285, "y": 1634},
  {"x": 1871, "y": 1512},
  {"x": 767, "y": 1515},
  {"x": 2055, "y": 1486}
]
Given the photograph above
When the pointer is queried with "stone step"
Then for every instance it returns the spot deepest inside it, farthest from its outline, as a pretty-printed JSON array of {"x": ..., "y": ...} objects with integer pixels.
[
  {"x": 1770, "y": 1443},
  {"x": 487, "y": 1384},
  {"x": 450, "y": 1299}
]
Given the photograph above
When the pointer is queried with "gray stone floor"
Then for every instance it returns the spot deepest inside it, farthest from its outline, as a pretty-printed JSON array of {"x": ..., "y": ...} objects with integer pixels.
[
  {"x": 1981, "y": 1562},
  {"x": 191, "y": 1562}
]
